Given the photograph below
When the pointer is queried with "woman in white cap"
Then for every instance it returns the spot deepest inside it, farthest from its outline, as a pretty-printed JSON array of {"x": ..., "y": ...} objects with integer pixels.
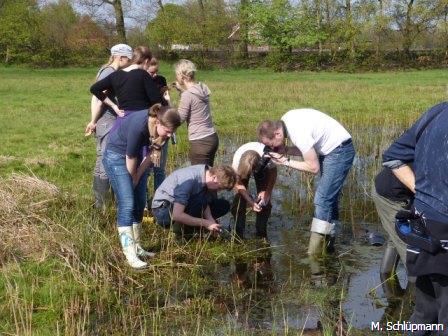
[{"x": 102, "y": 119}]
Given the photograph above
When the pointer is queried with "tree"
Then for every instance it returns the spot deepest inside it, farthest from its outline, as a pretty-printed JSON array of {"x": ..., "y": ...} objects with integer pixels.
[
  {"x": 117, "y": 6},
  {"x": 19, "y": 28},
  {"x": 190, "y": 24},
  {"x": 281, "y": 25},
  {"x": 413, "y": 17}
]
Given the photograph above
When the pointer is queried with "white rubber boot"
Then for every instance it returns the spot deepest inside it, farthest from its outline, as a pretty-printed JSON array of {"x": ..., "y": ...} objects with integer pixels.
[
  {"x": 126, "y": 236},
  {"x": 137, "y": 228}
]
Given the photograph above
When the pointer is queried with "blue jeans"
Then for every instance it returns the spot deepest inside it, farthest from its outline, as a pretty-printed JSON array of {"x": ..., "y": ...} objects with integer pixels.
[
  {"x": 159, "y": 172},
  {"x": 334, "y": 168},
  {"x": 130, "y": 200}
]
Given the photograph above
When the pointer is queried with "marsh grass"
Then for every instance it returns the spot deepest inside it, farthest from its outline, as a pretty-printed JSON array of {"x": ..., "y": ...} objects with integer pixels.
[{"x": 62, "y": 272}]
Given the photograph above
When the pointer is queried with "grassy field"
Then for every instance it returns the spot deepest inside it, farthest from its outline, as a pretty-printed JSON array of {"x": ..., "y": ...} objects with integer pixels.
[{"x": 62, "y": 271}]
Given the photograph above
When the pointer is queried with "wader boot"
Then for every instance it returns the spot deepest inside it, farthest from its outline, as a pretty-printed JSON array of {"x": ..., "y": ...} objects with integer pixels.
[
  {"x": 137, "y": 228},
  {"x": 101, "y": 191},
  {"x": 126, "y": 236}
]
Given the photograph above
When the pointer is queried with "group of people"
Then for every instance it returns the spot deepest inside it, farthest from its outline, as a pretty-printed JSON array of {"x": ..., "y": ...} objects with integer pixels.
[{"x": 133, "y": 119}]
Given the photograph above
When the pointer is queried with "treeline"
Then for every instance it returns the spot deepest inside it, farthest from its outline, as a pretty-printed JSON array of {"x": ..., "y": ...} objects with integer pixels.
[{"x": 279, "y": 33}]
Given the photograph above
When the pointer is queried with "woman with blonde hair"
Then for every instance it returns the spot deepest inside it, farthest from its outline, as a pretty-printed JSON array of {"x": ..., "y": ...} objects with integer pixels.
[
  {"x": 102, "y": 119},
  {"x": 251, "y": 159},
  {"x": 194, "y": 109},
  {"x": 132, "y": 147}
]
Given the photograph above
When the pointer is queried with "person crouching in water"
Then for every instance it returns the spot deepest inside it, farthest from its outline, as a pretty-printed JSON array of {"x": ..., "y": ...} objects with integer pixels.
[
  {"x": 126, "y": 165},
  {"x": 251, "y": 160},
  {"x": 185, "y": 200}
]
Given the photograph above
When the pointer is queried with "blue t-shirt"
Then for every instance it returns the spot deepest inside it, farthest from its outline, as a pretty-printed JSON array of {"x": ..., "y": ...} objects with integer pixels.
[
  {"x": 131, "y": 135},
  {"x": 426, "y": 145},
  {"x": 181, "y": 185}
]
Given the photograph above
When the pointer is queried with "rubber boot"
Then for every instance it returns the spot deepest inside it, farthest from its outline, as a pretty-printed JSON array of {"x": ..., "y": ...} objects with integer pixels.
[
  {"x": 389, "y": 279},
  {"x": 126, "y": 236},
  {"x": 101, "y": 190},
  {"x": 316, "y": 244},
  {"x": 137, "y": 229}
]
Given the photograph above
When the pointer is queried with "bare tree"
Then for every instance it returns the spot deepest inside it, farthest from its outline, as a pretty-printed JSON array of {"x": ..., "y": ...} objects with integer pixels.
[
  {"x": 117, "y": 6},
  {"x": 413, "y": 17}
]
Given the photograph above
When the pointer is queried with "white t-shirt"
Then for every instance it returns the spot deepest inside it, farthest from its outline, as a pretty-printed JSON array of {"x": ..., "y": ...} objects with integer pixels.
[
  {"x": 311, "y": 128},
  {"x": 255, "y": 146}
]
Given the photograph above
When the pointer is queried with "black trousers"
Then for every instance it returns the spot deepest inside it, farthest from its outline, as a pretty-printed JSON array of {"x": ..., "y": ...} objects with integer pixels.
[
  {"x": 431, "y": 303},
  {"x": 239, "y": 211}
]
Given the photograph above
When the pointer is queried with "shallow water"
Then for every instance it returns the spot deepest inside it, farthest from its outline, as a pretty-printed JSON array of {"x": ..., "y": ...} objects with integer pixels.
[{"x": 275, "y": 282}]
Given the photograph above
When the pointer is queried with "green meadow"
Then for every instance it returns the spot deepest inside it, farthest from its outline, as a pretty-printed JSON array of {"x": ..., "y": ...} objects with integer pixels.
[{"x": 61, "y": 268}]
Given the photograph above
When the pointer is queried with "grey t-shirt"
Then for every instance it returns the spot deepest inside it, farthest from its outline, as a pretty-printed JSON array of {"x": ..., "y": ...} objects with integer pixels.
[
  {"x": 103, "y": 73},
  {"x": 181, "y": 185}
]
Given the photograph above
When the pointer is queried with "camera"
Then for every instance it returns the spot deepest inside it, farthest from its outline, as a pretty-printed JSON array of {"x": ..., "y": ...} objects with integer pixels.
[
  {"x": 265, "y": 159},
  {"x": 260, "y": 202}
]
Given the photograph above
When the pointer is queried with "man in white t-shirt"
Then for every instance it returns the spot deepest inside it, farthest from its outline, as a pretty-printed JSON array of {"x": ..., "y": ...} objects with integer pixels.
[{"x": 327, "y": 150}]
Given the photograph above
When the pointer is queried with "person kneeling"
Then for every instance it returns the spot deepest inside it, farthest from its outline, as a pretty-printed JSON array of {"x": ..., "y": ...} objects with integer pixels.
[{"x": 185, "y": 200}]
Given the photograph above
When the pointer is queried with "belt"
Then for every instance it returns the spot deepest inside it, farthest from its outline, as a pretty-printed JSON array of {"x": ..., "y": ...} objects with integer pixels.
[
  {"x": 346, "y": 142},
  {"x": 165, "y": 204}
]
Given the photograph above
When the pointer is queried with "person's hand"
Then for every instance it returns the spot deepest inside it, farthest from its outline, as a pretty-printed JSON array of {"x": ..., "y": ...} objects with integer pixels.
[
  {"x": 117, "y": 110},
  {"x": 278, "y": 158},
  {"x": 90, "y": 128},
  {"x": 263, "y": 197},
  {"x": 177, "y": 86},
  {"x": 166, "y": 96},
  {"x": 255, "y": 207},
  {"x": 212, "y": 226}
]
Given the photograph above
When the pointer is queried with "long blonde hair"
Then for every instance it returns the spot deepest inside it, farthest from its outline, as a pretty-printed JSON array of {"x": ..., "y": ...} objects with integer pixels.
[
  {"x": 105, "y": 65},
  {"x": 248, "y": 162}
]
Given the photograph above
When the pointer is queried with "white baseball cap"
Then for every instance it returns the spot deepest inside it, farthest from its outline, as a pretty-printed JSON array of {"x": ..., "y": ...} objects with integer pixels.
[{"x": 121, "y": 50}]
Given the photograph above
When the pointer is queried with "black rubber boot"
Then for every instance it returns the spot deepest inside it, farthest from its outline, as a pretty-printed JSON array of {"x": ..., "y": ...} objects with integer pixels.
[
  {"x": 390, "y": 283},
  {"x": 101, "y": 190}
]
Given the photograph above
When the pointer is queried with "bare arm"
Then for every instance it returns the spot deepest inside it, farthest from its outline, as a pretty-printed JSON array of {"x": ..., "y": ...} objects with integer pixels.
[
  {"x": 309, "y": 164},
  {"x": 242, "y": 190},
  {"x": 293, "y": 150},
  {"x": 271, "y": 178},
  {"x": 114, "y": 106},
  {"x": 95, "y": 111},
  {"x": 131, "y": 165},
  {"x": 406, "y": 176},
  {"x": 142, "y": 168},
  {"x": 180, "y": 216}
]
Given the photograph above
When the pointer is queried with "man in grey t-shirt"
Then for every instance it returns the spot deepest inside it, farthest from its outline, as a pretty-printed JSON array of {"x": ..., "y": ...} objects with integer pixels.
[{"x": 183, "y": 200}]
